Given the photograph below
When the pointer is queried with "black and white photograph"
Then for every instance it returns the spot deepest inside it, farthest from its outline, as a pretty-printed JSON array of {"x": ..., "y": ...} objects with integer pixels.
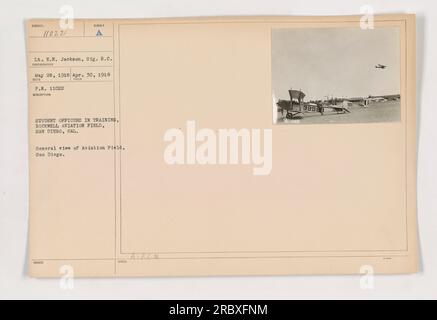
[{"x": 336, "y": 75}]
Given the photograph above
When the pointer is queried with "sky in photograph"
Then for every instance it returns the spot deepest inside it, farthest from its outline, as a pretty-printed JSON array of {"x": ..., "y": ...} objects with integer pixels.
[{"x": 337, "y": 62}]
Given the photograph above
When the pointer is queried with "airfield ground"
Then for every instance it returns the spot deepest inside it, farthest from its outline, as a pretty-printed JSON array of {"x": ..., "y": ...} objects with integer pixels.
[{"x": 388, "y": 111}]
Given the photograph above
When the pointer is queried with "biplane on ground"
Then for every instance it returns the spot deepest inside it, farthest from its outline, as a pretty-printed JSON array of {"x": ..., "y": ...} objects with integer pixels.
[{"x": 297, "y": 107}]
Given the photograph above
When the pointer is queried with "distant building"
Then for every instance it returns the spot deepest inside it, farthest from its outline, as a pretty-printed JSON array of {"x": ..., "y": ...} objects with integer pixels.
[{"x": 356, "y": 99}]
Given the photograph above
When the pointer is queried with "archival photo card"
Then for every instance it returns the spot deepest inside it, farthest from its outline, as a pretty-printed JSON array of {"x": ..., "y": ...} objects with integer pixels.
[
  {"x": 212, "y": 187},
  {"x": 336, "y": 75}
]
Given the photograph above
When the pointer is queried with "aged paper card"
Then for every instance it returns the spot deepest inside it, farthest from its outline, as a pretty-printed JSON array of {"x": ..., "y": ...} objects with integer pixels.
[{"x": 222, "y": 146}]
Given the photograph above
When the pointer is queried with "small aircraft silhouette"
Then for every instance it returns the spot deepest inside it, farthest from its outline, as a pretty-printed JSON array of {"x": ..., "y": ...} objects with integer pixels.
[{"x": 380, "y": 66}]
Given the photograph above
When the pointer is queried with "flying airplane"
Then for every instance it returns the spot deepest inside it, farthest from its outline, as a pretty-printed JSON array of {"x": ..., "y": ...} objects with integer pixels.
[{"x": 380, "y": 66}]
